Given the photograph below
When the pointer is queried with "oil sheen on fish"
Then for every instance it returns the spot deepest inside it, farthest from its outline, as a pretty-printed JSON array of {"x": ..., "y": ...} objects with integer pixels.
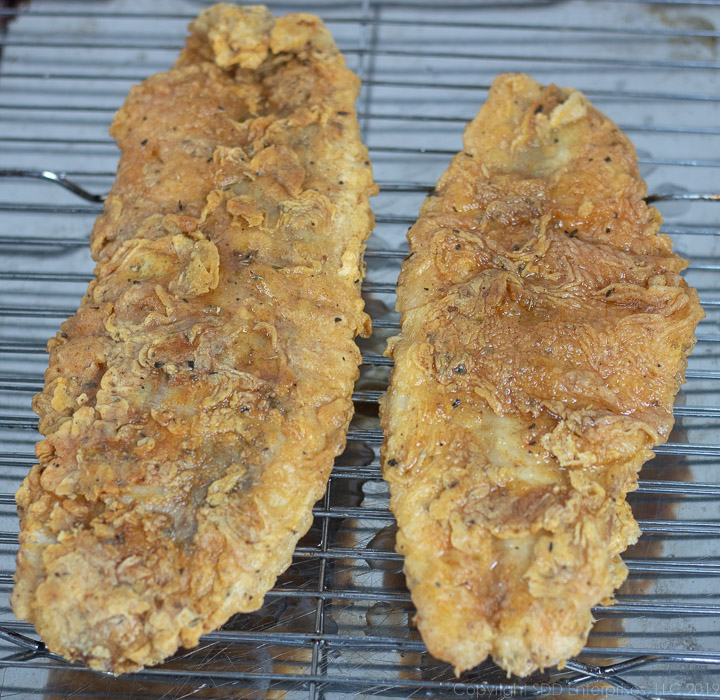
[
  {"x": 193, "y": 406},
  {"x": 545, "y": 333}
]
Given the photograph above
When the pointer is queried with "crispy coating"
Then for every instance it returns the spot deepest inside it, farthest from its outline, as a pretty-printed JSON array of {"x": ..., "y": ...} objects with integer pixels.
[
  {"x": 194, "y": 404},
  {"x": 545, "y": 333}
]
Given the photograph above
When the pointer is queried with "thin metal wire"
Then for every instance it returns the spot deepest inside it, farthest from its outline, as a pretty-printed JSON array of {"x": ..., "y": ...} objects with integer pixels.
[
  {"x": 370, "y": 287},
  {"x": 365, "y": 19},
  {"x": 417, "y": 187},
  {"x": 14, "y": 422},
  {"x": 368, "y": 358},
  {"x": 373, "y": 82},
  {"x": 60, "y": 179},
  {"x": 30, "y": 208},
  {"x": 679, "y": 489},
  {"x": 593, "y": 672},
  {"x": 400, "y": 85},
  {"x": 22, "y": 384},
  {"x": 635, "y": 63},
  {"x": 338, "y": 679},
  {"x": 649, "y": 566},
  {"x": 317, "y": 649},
  {"x": 378, "y": 116},
  {"x": 370, "y": 641},
  {"x": 12, "y": 311},
  {"x": 66, "y": 312}
]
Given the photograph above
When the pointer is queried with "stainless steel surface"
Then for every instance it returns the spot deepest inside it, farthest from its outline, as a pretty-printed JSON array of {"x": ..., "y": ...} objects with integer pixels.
[{"x": 338, "y": 624}]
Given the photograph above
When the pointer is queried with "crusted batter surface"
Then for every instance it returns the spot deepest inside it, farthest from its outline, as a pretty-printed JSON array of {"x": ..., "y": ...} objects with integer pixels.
[
  {"x": 545, "y": 333},
  {"x": 193, "y": 406}
]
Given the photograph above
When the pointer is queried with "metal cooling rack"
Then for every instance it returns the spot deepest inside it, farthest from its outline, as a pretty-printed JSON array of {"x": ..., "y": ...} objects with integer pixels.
[{"x": 338, "y": 623}]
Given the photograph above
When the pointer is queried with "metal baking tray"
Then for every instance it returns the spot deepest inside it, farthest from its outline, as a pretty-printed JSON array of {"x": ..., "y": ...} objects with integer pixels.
[{"x": 339, "y": 622}]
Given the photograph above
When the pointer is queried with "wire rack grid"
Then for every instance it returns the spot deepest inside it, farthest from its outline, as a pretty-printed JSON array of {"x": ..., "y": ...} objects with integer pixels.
[{"x": 339, "y": 621}]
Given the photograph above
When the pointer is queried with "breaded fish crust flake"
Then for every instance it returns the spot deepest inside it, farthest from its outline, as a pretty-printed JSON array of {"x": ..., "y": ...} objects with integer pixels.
[
  {"x": 545, "y": 333},
  {"x": 193, "y": 406}
]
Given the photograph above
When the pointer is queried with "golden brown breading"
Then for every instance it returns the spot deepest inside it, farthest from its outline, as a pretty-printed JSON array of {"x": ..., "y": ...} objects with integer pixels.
[
  {"x": 194, "y": 404},
  {"x": 545, "y": 331}
]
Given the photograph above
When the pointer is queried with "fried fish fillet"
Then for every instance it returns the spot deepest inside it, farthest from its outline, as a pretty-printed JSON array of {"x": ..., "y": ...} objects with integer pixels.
[
  {"x": 193, "y": 406},
  {"x": 545, "y": 333}
]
